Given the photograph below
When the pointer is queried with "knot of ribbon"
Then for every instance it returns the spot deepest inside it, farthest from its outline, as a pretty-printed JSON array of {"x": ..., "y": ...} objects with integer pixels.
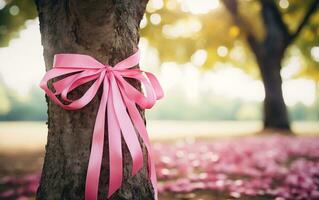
[{"x": 119, "y": 99}]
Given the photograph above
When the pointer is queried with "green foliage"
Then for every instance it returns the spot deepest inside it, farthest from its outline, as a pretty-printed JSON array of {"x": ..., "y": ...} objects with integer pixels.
[
  {"x": 176, "y": 106},
  {"x": 5, "y": 104},
  {"x": 13, "y": 17},
  {"x": 32, "y": 107},
  {"x": 249, "y": 111}
]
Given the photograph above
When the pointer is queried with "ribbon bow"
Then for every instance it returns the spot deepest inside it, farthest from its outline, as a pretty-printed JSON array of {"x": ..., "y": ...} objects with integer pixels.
[{"x": 120, "y": 99}]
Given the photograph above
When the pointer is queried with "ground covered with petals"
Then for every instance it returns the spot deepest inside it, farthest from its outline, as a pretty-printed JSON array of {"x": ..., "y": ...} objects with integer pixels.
[{"x": 255, "y": 167}]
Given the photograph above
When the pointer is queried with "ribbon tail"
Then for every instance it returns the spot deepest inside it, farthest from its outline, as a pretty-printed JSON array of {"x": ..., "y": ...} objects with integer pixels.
[
  {"x": 140, "y": 126},
  {"x": 115, "y": 148},
  {"x": 127, "y": 127},
  {"x": 94, "y": 168},
  {"x": 156, "y": 85},
  {"x": 153, "y": 176}
]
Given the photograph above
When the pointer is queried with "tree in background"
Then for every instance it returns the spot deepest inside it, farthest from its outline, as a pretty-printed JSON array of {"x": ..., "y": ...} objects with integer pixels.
[
  {"x": 109, "y": 31},
  {"x": 239, "y": 33},
  {"x": 269, "y": 52}
]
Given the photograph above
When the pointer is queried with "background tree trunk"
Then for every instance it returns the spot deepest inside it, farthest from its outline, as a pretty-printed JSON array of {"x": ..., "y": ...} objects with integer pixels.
[
  {"x": 275, "y": 113},
  {"x": 109, "y": 31},
  {"x": 268, "y": 53}
]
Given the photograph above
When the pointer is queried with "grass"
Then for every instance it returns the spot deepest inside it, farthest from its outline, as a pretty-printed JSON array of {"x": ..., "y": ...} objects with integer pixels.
[{"x": 31, "y": 136}]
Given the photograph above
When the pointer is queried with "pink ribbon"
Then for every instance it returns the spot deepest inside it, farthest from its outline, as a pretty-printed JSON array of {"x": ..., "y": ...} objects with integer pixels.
[{"x": 120, "y": 99}]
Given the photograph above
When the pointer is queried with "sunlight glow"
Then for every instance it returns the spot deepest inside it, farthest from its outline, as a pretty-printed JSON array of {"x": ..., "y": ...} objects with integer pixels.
[
  {"x": 292, "y": 68},
  {"x": 143, "y": 23},
  {"x": 154, "y": 5},
  {"x": 182, "y": 28},
  {"x": 284, "y": 4},
  {"x": 14, "y": 10},
  {"x": 223, "y": 80},
  {"x": 25, "y": 56},
  {"x": 315, "y": 53},
  {"x": 299, "y": 90},
  {"x": 171, "y": 5},
  {"x": 199, "y": 57},
  {"x": 237, "y": 53},
  {"x": 2, "y": 4},
  {"x": 232, "y": 82},
  {"x": 199, "y": 6},
  {"x": 222, "y": 51},
  {"x": 155, "y": 19}
]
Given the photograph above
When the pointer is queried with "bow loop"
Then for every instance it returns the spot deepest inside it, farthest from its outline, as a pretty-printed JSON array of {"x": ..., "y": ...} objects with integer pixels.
[
  {"x": 76, "y": 61},
  {"x": 65, "y": 85},
  {"x": 129, "y": 62},
  {"x": 148, "y": 82}
]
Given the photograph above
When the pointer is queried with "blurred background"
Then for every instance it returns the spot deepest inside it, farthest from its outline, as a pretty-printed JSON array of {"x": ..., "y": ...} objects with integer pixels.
[{"x": 218, "y": 61}]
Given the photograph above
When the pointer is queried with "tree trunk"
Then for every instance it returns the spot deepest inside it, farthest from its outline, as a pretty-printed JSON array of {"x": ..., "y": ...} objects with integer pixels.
[
  {"x": 275, "y": 111},
  {"x": 108, "y": 30},
  {"x": 269, "y": 54}
]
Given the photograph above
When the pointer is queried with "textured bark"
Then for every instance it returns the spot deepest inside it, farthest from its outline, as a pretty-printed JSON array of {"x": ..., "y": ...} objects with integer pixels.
[{"x": 108, "y": 30}]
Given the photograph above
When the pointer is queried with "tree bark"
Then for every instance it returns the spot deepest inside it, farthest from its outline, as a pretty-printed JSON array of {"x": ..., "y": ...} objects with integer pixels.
[
  {"x": 269, "y": 55},
  {"x": 275, "y": 115},
  {"x": 108, "y": 30}
]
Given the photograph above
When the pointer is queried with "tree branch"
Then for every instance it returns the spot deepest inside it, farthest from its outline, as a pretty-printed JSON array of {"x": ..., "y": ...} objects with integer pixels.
[
  {"x": 311, "y": 10},
  {"x": 271, "y": 15},
  {"x": 232, "y": 7}
]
